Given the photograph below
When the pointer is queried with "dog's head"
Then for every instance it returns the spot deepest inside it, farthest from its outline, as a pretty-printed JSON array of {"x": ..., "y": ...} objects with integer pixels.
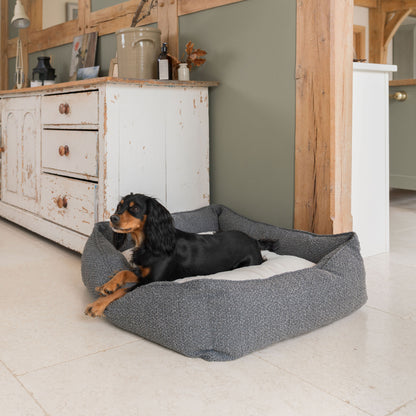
[
  {"x": 130, "y": 214},
  {"x": 137, "y": 213}
]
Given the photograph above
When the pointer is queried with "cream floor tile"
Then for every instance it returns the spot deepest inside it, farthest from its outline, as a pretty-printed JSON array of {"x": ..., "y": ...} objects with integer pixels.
[
  {"x": 401, "y": 219},
  {"x": 403, "y": 198},
  {"x": 391, "y": 286},
  {"x": 365, "y": 359},
  {"x": 14, "y": 399},
  {"x": 19, "y": 246},
  {"x": 148, "y": 380},
  {"x": 407, "y": 410},
  {"x": 41, "y": 315}
]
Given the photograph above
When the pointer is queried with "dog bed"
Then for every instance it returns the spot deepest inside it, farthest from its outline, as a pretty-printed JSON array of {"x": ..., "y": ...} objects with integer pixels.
[{"x": 221, "y": 319}]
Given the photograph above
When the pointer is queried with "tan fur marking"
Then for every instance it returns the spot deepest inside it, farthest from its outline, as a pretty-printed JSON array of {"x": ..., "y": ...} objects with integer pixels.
[
  {"x": 144, "y": 271},
  {"x": 131, "y": 204},
  {"x": 129, "y": 224},
  {"x": 119, "y": 280}
]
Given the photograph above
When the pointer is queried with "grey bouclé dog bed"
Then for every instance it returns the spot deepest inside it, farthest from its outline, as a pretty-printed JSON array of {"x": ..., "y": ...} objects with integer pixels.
[{"x": 220, "y": 320}]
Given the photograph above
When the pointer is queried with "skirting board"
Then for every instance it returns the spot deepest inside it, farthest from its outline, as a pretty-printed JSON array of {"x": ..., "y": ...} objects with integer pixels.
[
  {"x": 45, "y": 228},
  {"x": 403, "y": 182}
]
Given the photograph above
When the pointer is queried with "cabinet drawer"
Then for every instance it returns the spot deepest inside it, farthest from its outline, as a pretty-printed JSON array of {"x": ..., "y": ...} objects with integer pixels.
[
  {"x": 70, "y": 151},
  {"x": 75, "y": 108},
  {"x": 68, "y": 202}
]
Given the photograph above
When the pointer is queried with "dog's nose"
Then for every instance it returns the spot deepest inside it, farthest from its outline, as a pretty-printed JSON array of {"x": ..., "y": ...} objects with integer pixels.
[{"x": 115, "y": 219}]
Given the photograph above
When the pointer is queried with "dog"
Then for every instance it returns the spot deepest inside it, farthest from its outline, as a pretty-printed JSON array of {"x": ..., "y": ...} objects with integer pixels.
[{"x": 164, "y": 253}]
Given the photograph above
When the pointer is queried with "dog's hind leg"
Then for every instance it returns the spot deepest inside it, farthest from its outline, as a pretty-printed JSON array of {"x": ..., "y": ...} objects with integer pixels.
[{"x": 118, "y": 281}]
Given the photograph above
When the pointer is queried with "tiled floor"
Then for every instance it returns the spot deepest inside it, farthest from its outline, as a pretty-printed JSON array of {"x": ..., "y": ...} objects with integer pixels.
[{"x": 56, "y": 361}]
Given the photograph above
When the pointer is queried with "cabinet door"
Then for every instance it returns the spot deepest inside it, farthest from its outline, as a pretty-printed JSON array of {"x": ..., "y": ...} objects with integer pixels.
[{"x": 21, "y": 159}]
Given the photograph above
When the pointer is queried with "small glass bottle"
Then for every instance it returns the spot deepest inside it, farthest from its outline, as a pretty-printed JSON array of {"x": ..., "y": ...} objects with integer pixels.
[
  {"x": 165, "y": 63},
  {"x": 183, "y": 72}
]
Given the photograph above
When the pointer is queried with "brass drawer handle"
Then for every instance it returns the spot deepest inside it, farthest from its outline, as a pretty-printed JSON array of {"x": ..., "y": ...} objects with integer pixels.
[
  {"x": 2, "y": 149},
  {"x": 63, "y": 150},
  {"x": 64, "y": 108},
  {"x": 62, "y": 202},
  {"x": 399, "y": 96}
]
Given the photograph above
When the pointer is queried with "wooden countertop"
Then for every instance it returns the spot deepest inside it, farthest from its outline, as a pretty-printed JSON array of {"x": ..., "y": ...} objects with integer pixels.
[
  {"x": 87, "y": 83},
  {"x": 402, "y": 82}
]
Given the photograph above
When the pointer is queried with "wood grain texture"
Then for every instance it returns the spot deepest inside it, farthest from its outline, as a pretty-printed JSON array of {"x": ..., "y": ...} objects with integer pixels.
[
  {"x": 323, "y": 116},
  {"x": 169, "y": 24}
]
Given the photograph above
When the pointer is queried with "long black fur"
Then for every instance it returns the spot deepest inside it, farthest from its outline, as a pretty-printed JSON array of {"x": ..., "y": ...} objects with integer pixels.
[{"x": 173, "y": 254}]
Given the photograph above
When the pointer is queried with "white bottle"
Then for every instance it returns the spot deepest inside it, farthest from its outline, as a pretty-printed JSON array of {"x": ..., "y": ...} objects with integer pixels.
[{"x": 183, "y": 72}]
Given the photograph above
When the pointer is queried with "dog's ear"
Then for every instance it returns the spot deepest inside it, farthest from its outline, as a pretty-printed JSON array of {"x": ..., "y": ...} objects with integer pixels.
[
  {"x": 118, "y": 240},
  {"x": 158, "y": 229}
]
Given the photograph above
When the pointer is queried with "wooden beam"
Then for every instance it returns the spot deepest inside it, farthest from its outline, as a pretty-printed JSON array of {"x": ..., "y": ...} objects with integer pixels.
[
  {"x": 366, "y": 3},
  {"x": 46, "y": 38},
  {"x": 376, "y": 23},
  {"x": 395, "y": 5},
  {"x": 192, "y": 6},
  {"x": 323, "y": 116},
  {"x": 393, "y": 24},
  {"x": 84, "y": 16},
  {"x": 359, "y": 41},
  {"x": 169, "y": 25}
]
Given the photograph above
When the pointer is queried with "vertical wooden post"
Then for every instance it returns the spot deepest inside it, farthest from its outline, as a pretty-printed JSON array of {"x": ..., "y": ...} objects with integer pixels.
[
  {"x": 324, "y": 56},
  {"x": 168, "y": 23},
  {"x": 84, "y": 13},
  {"x": 376, "y": 23}
]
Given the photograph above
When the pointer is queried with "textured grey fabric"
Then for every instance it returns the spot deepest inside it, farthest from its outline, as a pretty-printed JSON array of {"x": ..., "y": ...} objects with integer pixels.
[{"x": 220, "y": 320}]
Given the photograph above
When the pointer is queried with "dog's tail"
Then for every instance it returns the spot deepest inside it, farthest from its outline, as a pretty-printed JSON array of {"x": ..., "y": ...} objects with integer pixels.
[{"x": 270, "y": 245}]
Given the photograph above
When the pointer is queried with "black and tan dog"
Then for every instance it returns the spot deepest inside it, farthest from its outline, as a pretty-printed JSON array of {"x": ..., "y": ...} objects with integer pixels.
[{"x": 165, "y": 253}]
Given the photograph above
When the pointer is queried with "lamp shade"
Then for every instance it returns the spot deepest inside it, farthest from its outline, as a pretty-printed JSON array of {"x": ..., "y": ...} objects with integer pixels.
[{"x": 20, "y": 19}]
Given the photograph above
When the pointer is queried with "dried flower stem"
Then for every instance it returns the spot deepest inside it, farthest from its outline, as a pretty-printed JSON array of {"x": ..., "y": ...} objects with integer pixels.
[{"x": 137, "y": 18}]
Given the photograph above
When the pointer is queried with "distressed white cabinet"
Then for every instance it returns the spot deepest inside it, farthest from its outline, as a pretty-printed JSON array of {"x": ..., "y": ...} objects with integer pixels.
[
  {"x": 72, "y": 150},
  {"x": 20, "y": 164}
]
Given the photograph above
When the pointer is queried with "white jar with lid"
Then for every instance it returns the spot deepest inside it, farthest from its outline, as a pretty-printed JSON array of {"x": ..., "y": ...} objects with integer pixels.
[{"x": 183, "y": 72}]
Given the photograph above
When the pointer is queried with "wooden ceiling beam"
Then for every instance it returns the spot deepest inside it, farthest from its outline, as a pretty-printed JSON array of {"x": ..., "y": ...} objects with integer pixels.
[
  {"x": 396, "y": 5},
  {"x": 393, "y": 24},
  {"x": 370, "y": 4}
]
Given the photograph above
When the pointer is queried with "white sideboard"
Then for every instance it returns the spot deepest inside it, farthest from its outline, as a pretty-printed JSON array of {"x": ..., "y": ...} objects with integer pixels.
[
  {"x": 370, "y": 157},
  {"x": 70, "y": 151}
]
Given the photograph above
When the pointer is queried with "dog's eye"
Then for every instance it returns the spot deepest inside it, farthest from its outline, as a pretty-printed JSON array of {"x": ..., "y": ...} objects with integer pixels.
[{"x": 134, "y": 208}]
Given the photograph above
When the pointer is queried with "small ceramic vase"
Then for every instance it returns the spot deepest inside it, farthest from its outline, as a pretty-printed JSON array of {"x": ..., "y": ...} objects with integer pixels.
[{"x": 183, "y": 72}]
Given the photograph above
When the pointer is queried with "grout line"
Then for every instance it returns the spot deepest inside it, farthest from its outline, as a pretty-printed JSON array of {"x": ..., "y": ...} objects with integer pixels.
[
  {"x": 31, "y": 394},
  {"x": 313, "y": 385},
  {"x": 78, "y": 358},
  {"x": 403, "y": 318},
  {"x": 400, "y": 407}
]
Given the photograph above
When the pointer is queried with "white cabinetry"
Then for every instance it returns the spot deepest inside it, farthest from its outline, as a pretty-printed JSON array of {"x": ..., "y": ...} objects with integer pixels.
[
  {"x": 72, "y": 150},
  {"x": 370, "y": 157},
  {"x": 20, "y": 164}
]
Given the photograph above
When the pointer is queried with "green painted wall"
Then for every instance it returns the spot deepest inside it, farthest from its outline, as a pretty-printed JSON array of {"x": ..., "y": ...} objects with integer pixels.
[
  {"x": 402, "y": 124},
  {"x": 251, "y": 52}
]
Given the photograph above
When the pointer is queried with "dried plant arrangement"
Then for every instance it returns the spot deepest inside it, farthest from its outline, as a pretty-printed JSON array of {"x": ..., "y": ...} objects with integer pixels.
[
  {"x": 194, "y": 57},
  {"x": 138, "y": 17}
]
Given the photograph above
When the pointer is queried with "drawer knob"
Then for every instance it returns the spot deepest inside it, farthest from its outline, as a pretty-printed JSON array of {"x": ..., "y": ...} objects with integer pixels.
[
  {"x": 64, "y": 108},
  {"x": 62, "y": 202},
  {"x": 63, "y": 150}
]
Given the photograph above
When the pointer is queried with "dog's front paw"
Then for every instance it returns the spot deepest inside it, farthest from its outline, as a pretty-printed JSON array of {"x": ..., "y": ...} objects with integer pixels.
[
  {"x": 95, "y": 309},
  {"x": 108, "y": 288}
]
